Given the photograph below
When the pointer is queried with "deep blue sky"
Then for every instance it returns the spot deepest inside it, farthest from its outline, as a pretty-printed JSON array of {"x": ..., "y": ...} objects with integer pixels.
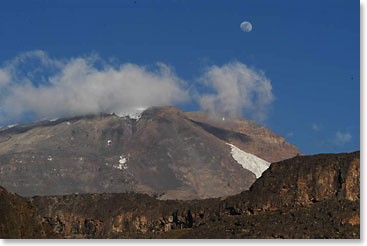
[{"x": 308, "y": 49}]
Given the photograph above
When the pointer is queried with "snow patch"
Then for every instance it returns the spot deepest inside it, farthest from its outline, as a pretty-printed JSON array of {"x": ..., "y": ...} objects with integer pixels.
[
  {"x": 10, "y": 126},
  {"x": 122, "y": 159},
  {"x": 52, "y": 120},
  {"x": 49, "y": 158},
  {"x": 249, "y": 161},
  {"x": 109, "y": 142}
]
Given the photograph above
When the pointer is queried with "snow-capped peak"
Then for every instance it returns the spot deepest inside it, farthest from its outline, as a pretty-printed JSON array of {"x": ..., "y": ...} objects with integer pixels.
[{"x": 249, "y": 161}]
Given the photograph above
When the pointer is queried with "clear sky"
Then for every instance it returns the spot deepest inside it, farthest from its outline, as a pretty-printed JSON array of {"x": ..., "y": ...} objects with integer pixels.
[{"x": 308, "y": 50}]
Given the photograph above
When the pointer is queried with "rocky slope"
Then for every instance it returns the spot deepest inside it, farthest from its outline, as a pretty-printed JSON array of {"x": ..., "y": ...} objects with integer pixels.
[
  {"x": 164, "y": 153},
  {"x": 18, "y": 219},
  {"x": 246, "y": 135},
  {"x": 303, "y": 197}
]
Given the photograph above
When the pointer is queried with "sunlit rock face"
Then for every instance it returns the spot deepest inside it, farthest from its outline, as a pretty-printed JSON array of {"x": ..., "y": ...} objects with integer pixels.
[{"x": 306, "y": 180}]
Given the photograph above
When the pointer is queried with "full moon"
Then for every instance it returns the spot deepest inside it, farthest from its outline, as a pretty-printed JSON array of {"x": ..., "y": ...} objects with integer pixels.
[{"x": 246, "y": 26}]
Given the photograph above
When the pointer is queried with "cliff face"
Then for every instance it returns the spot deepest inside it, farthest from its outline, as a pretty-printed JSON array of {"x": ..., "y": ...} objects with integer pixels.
[
  {"x": 18, "y": 219},
  {"x": 303, "y": 197},
  {"x": 305, "y": 180},
  {"x": 117, "y": 215}
]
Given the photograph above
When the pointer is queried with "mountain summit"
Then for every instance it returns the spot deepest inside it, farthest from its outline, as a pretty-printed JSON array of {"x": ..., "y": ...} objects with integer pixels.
[{"x": 164, "y": 153}]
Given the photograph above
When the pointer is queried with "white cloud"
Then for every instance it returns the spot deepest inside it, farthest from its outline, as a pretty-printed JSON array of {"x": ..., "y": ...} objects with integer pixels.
[
  {"x": 290, "y": 134},
  {"x": 342, "y": 138},
  {"x": 236, "y": 89},
  {"x": 4, "y": 77},
  {"x": 59, "y": 88},
  {"x": 316, "y": 127}
]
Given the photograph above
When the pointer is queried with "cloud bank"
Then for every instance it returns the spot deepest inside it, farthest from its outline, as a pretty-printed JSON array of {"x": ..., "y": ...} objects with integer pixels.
[
  {"x": 236, "y": 88},
  {"x": 45, "y": 88}
]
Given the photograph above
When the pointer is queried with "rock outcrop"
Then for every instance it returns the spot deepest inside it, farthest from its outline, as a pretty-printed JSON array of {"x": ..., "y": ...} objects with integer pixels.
[{"x": 305, "y": 180}]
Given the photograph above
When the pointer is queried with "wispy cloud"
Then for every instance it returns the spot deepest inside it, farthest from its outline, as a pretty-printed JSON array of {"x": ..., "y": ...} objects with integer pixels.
[
  {"x": 290, "y": 134},
  {"x": 236, "y": 88},
  {"x": 342, "y": 138}
]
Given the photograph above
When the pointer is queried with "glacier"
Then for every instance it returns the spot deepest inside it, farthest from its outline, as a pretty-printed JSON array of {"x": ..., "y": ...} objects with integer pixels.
[{"x": 249, "y": 161}]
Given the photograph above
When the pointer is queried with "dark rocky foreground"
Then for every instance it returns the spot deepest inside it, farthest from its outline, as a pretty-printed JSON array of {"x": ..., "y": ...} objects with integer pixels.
[
  {"x": 18, "y": 219},
  {"x": 303, "y": 197}
]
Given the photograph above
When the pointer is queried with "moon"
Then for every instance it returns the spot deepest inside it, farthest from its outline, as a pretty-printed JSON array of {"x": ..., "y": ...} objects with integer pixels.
[{"x": 246, "y": 26}]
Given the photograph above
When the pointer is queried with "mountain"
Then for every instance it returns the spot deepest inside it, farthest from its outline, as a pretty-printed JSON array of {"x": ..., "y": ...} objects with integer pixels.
[
  {"x": 163, "y": 152},
  {"x": 316, "y": 197}
]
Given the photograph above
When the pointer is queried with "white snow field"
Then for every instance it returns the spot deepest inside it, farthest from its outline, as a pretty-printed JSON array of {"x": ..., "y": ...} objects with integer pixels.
[{"x": 249, "y": 161}]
